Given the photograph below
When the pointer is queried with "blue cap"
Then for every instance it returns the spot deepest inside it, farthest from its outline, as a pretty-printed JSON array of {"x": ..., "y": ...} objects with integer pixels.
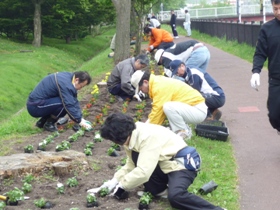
[{"x": 174, "y": 65}]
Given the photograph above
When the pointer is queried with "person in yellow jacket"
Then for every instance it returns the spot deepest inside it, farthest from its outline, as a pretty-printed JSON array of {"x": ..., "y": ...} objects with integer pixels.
[
  {"x": 172, "y": 99},
  {"x": 159, "y": 38},
  {"x": 154, "y": 159}
]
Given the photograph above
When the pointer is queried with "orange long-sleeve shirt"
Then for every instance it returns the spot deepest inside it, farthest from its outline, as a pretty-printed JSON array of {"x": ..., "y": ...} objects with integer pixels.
[{"x": 158, "y": 36}]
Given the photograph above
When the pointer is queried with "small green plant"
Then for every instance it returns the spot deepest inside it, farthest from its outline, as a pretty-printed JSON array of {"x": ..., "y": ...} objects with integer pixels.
[
  {"x": 64, "y": 145},
  {"x": 123, "y": 161},
  {"x": 104, "y": 191},
  {"x": 40, "y": 203},
  {"x": 110, "y": 151},
  {"x": 112, "y": 99},
  {"x": 15, "y": 195},
  {"x": 73, "y": 138},
  {"x": 29, "y": 148},
  {"x": 28, "y": 178},
  {"x": 115, "y": 146},
  {"x": 42, "y": 146},
  {"x": 118, "y": 168},
  {"x": 26, "y": 187},
  {"x": 2, "y": 205},
  {"x": 146, "y": 198},
  {"x": 90, "y": 145},
  {"x": 72, "y": 182},
  {"x": 97, "y": 137},
  {"x": 87, "y": 151},
  {"x": 91, "y": 198},
  {"x": 60, "y": 188}
]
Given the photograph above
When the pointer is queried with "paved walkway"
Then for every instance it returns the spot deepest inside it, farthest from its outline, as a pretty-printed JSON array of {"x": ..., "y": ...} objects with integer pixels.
[{"x": 256, "y": 144}]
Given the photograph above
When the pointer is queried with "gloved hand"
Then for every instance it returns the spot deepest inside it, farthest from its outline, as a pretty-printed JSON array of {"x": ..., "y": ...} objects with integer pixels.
[
  {"x": 173, "y": 25},
  {"x": 147, "y": 52},
  {"x": 255, "y": 81},
  {"x": 141, "y": 94},
  {"x": 86, "y": 124},
  {"x": 137, "y": 97},
  {"x": 119, "y": 193},
  {"x": 111, "y": 184},
  {"x": 151, "y": 47}
]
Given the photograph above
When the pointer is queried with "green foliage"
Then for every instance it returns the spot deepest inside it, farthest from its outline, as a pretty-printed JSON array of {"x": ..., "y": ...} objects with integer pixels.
[
  {"x": 26, "y": 188},
  {"x": 60, "y": 188},
  {"x": 72, "y": 182},
  {"x": 91, "y": 198},
  {"x": 40, "y": 203},
  {"x": 110, "y": 151},
  {"x": 146, "y": 198},
  {"x": 15, "y": 195},
  {"x": 29, "y": 148},
  {"x": 104, "y": 191},
  {"x": 90, "y": 145},
  {"x": 28, "y": 178},
  {"x": 64, "y": 145},
  {"x": 87, "y": 151},
  {"x": 2, "y": 205},
  {"x": 97, "y": 137}
]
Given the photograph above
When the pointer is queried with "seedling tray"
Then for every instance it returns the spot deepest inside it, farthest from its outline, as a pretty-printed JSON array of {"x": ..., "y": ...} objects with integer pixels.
[{"x": 212, "y": 129}]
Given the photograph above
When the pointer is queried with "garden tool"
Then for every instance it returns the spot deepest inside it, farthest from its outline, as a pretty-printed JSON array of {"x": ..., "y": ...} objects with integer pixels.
[{"x": 3, "y": 198}]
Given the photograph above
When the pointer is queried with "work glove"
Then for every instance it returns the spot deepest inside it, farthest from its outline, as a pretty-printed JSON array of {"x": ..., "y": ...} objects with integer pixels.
[
  {"x": 255, "y": 81},
  {"x": 111, "y": 184},
  {"x": 86, "y": 124},
  {"x": 173, "y": 25},
  {"x": 151, "y": 47},
  {"x": 119, "y": 193},
  {"x": 137, "y": 97},
  {"x": 147, "y": 52}
]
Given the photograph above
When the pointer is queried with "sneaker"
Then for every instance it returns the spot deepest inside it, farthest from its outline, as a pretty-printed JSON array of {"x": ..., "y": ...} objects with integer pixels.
[
  {"x": 40, "y": 123},
  {"x": 185, "y": 134},
  {"x": 176, "y": 37},
  {"x": 216, "y": 115},
  {"x": 50, "y": 125}
]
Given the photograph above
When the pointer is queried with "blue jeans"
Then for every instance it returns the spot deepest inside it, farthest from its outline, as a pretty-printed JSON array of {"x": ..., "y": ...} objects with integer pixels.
[
  {"x": 46, "y": 107},
  {"x": 199, "y": 59}
]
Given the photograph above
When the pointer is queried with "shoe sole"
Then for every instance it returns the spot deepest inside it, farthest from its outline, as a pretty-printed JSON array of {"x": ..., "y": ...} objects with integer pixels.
[{"x": 217, "y": 115}]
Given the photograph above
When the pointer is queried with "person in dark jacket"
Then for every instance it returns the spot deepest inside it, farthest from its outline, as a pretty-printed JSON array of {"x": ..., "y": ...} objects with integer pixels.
[
  {"x": 119, "y": 80},
  {"x": 173, "y": 24},
  {"x": 268, "y": 47},
  {"x": 204, "y": 83},
  {"x": 55, "y": 96}
]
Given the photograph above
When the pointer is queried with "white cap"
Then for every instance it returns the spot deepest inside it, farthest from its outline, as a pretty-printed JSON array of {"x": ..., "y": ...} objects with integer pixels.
[
  {"x": 158, "y": 55},
  {"x": 135, "y": 79}
]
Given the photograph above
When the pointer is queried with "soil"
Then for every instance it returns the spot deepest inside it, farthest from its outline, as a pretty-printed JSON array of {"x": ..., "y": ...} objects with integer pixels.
[{"x": 102, "y": 166}]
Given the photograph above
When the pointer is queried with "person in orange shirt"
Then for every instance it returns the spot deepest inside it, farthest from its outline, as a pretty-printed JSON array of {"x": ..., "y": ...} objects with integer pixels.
[{"x": 159, "y": 39}]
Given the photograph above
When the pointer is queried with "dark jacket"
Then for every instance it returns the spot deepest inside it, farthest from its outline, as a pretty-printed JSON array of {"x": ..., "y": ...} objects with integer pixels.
[
  {"x": 49, "y": 87},
  {"x": 173, "y": 19},
  {"x": 268, "y": 47}
]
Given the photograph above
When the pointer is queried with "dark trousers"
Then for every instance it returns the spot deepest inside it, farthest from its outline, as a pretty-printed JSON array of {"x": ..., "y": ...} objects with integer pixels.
[
  {"x": 47, "y": 107},
  {"x": 165, "y": 45},
  {"x": 273, "y": 103},
  {"x": 174, "y": 31},
  {"x": 118, "y": 91},
  {"x": 213, "y": 102},
  {"x": 178, "y": 183}
]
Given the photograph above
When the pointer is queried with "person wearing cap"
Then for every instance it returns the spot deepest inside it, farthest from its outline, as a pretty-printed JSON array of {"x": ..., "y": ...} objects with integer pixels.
[
  {"x": 172, "y": 99},
  {"x": 152, "y": 160},
  {"x": 204, "y": 83},
  {"x": 193, "y": 53},
  {"x": 159, "y": 38},
  {"x": 119, "y": 80}
]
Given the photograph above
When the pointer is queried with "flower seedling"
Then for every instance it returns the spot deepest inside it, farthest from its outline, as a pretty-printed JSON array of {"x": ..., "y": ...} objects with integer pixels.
[
  {"x": 97, "y": 137},
  {"x": 91, "y": 200},
  {"x": 123, "y": 161},
  {"x": 116, "y": 146},
  {"x": 90, "y": 145},
  {"x": 40, "y": 203},
  {"x": 28, "y": 178},
  {"x": 145, "y": 200},
  {"x": 112, "y": 152},
  {"x": 60, "y": 188},
  {"x": 85, "y": 112},
  {"x": 15, "y": 195},
  {"x": 64, "y": 145},
  {"x": 141, "y": 105},
  {"x": 112, "y": 99},
  {"x": 104, "y": 191},
  {"x": 88, "y": 151},
  {"x": 2, "y": 205},
  {"x": 26, "y": 187},
  {"x": 73, "y": 138},
  {"x": 29, "y": 148},
  {"x": 72, "y": 182},
  {"x": 42, "y": 146}
]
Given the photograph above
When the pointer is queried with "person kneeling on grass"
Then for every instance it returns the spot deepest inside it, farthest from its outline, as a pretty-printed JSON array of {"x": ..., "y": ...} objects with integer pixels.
[
  {"x": 204, "y": 83},
  {"x": 55, "y": 96},
  {"x": 154, "y": 158},
  {"x": 172, "y": 99}
]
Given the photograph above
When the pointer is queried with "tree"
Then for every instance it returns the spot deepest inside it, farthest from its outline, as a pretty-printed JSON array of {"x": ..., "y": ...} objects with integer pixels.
[
  {"x": 122, "y": 45},
  {"x": 37, "y": 23}
]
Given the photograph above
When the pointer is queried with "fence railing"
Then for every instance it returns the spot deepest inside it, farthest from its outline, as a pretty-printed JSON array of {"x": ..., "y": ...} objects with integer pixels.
[{"x": 217, "y": 12}]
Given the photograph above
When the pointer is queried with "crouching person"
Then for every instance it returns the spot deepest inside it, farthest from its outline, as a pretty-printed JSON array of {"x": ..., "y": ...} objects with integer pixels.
[{"x": 154, "y": 159}]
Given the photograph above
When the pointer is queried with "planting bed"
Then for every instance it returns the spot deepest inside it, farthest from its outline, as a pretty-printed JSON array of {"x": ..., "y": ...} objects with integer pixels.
[{"x": 102, "y": 166}]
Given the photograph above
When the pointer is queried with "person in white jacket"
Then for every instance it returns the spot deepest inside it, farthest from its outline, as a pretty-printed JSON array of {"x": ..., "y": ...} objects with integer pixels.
[
  {"x": 187, "y": 23},
  {"x": 154, "y": 159}
]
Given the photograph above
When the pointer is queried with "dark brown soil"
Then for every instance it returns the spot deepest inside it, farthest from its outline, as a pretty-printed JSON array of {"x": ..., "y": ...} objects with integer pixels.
[{"x": 102, "y": 166}]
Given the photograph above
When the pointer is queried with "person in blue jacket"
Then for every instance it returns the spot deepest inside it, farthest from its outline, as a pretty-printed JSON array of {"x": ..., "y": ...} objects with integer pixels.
[
  {"x": 55, "y": 96},
  {"x": 204, "y": 83}
]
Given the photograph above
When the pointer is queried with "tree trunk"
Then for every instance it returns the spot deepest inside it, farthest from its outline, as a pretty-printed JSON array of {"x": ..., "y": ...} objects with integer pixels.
[
  {"x": 122, "y": 46},
  {"x": 37, "y": 23}
]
